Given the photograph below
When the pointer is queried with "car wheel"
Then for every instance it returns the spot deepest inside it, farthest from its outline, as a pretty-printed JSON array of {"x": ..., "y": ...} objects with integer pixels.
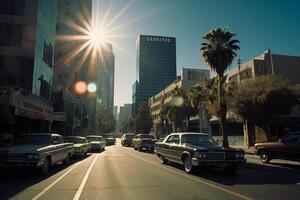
[
  {"x": 231, "y": 169},
  {"x": 45, "y": 168},
  {"x": 188, "y": 165},
  {"x": 163, "y": 160},
  {"x": 265, "y": 156},
  {"x": 67, "y": 160}
]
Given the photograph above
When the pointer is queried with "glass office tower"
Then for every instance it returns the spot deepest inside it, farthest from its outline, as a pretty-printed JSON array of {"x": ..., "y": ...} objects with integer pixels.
[{"x": 155, "y": 67}]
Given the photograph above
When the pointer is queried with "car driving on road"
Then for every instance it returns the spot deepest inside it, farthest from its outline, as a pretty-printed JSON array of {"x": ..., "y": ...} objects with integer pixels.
[
  {"x": 81, "y": 145},
  {"x": 126, "y": 139},
  {"x": 287, "y": 148},
  {"x": 195, "y": 150},
  {"x": 37, "y": 150},
  {"x": 110, "y": 139},
  {"x": 144, "y": 141},
  {"x": 97, "y": 142}
]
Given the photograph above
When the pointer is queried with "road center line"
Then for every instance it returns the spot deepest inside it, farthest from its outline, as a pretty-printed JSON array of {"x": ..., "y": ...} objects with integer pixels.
[
  {"x": 192, "y": 178},
  {"x": 54, "y": 182},
  {"x": 78, "y": 193}
]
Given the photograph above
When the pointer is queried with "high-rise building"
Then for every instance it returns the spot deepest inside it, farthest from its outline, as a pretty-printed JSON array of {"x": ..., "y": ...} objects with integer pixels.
[
  {"x": 106, "y": 77},
  {"x": 27, "y": 34},
  {"x": 155, "y": 67},
  {"x": 116, "y": 112},
  {"x": 125, "y": 113},
  {"x": 70, "y": 67}
]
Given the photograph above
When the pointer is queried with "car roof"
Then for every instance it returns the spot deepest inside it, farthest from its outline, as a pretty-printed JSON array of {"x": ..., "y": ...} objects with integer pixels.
[
  {"x": 128, "y": 134},
  {"x": 189, "y": 133},
  {"x": 49, "y": 134},
  {"x": 94, "y": 136},
  {"x": 75, "y": 137}
]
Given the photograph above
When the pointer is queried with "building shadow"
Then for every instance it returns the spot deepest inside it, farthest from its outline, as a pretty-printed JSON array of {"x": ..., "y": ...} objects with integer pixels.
[
  {"x": 250, "y": 174},
  {"x": 14, "y": 181}
]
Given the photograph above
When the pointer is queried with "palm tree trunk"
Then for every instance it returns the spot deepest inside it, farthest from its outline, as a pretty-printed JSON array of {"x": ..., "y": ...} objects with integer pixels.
[{"x": 222, "y": 112}]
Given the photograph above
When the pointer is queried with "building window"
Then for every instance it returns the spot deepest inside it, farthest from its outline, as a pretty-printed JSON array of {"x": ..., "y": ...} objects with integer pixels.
[
  {"x": 246, "y": 74},
  {"x": 12, "y": 7},
  {"x": 48, "y": 54},
  {"x": 11, "y": 34}
]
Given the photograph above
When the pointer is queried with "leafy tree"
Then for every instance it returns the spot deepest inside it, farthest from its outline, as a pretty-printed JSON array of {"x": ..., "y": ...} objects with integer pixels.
[
  {"x": 105, "y": 121},
  {"x": 127, "y": 126},
  {"x": 257, "y": 100},
  {"x": 143, "y": 122},
  {"x": 218, "y": 52}
]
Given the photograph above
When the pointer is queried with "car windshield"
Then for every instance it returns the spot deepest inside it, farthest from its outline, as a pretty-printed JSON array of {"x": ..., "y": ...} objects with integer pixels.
[
  {"x": 129, "y": 136},
  {"x": 34, "y": 139},
  {"x": 94, "y": 139},
  {"x": 109, "y": 136},
  {"x": 148, "y": 136},
  {"x": 75, "y": 140},
  {"x": 201, "y": 140}
]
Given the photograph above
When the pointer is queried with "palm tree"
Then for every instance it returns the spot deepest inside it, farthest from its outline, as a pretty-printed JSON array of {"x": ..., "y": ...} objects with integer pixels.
[{"x": 218, "y": 52}]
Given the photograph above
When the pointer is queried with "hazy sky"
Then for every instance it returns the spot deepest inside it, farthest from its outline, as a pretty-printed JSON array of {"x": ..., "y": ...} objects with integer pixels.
[{"x": 259, "y": 25}]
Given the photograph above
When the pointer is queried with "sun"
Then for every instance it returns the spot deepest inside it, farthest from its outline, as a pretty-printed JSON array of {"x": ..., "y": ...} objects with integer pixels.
[{"x": 96, "y": 36}]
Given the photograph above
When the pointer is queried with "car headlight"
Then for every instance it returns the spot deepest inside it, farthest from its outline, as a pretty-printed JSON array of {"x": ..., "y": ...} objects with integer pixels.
[
  {"x": 33, "y": 156},
  {"x": 239, "y": 155},
  {"x": 200, "y": 155}
]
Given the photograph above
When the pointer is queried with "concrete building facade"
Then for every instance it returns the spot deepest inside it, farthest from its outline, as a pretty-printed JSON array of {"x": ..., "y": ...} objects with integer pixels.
[
  {"x": 27, "y": 34},
  {"x": 189, "y": 77}
]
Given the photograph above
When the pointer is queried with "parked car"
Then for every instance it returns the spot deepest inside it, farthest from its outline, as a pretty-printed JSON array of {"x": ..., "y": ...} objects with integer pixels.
[
  {"x": 143, "y": 141},
  {"x": 287, "y": 148},
  {"x": 126, "y": 139},
  {"x": 36, "y": 150},
  {"x": 81, "y": 145},
  {"x": 195, "y": 150},
  {"x": 110, "y": 139},
  {"x": 97, "y": 142}
]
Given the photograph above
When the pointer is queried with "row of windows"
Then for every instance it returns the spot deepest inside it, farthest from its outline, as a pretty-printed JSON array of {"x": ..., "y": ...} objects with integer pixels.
[
  {"x": 48, "y": 54},
  {"x": 155, "y": 117},
  {"x": 12, "y": 7}
]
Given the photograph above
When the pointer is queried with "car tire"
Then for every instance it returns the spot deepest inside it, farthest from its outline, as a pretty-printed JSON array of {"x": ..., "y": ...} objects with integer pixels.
[
  {"x": 67, "y": 160},
  {"x": 45, "y": 168},
  {"x": 264, "y": 156},
  {"x": 188, "y": 165},
  {"x": 163, "y": 160}
]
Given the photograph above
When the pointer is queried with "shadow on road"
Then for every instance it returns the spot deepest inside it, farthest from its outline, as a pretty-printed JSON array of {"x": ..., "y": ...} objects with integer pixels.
[
  {"x": 14, "y": 181},
  {"x": 250, "y": 174}
]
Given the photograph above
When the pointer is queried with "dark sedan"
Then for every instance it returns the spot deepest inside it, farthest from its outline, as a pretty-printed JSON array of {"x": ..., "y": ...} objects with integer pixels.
[
  {"x": 195, "y": 150},
  {"x": 126, "y": 139},
  {"x": 287, "y": 148},
  {"x": 144, "y": 141}
]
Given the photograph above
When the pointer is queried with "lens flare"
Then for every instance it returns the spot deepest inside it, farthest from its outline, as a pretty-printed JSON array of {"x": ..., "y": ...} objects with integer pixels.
[
  {"x": 80, "y": 87},
  {"x": 92, "y": 87}
]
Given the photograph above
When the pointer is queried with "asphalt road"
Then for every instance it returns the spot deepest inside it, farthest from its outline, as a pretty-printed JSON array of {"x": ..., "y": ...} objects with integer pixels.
[{"x": 123, "y": 173}]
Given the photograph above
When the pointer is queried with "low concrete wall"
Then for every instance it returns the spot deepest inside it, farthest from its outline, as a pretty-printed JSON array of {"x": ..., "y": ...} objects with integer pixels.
[{"x": 232, "y": 140}]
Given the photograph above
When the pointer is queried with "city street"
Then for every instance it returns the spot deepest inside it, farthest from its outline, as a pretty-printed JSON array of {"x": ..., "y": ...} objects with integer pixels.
[{"x": 123, "y": 173}]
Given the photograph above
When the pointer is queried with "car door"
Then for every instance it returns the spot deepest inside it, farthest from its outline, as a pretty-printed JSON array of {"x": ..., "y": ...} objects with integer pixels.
[
  {"x": 291, "y": 146},
  {"x": 174, "y": 149},
  {"x": 167, "y": 148},
  {"x": 55, "y": 154}
]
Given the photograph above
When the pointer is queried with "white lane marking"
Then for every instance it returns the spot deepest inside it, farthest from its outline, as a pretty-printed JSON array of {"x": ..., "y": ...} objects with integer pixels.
[
  {"x": 54, "y": 182},
  {"x": 78, "y": 193}
]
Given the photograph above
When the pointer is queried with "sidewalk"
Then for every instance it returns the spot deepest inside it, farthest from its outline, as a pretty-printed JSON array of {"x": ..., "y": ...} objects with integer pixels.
[{"x": 246, "y": 149}]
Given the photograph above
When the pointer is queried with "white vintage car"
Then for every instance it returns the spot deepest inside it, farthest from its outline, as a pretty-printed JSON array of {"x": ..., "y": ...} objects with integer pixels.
[
  {"x": 36, "y": 150},
  {"x": 97, "y": 142},
  {"x": 81, "y": 145}
]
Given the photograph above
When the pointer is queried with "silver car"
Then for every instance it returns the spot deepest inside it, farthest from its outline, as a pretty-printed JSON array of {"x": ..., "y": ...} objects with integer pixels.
[
  {"x": 38, "y": 150},
  {"x": 97, "y": 142}
]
